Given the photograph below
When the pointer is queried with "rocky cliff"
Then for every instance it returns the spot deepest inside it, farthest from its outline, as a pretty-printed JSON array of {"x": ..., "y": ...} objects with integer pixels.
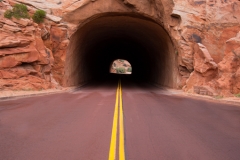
[{"x": 205, "y": 34}]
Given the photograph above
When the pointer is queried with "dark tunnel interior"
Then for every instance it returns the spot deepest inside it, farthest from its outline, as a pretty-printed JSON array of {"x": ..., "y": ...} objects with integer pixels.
[{"x": 142, "y": 42}]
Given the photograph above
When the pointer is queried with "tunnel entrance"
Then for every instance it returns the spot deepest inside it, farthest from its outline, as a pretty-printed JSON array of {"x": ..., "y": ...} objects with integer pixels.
[{"x": 101, "y": 40}]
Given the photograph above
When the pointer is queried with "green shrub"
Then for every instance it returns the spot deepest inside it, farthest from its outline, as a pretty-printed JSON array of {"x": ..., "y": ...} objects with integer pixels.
[
  {"x": 18, "y": 11},
  {"x": 129, "y": 69},
  {"x": 176, "y": 52},
  {"x": 8, "y": 14},
  {"x": 39, "y": 16},
  {"x": 237, "y": 95},
  {"x": 121, "y": 70},
  {"x": 218, "y": 97}
]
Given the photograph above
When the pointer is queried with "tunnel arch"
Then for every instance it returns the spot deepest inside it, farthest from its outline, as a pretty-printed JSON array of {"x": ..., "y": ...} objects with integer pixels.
[{"x": 101, "y": 39}]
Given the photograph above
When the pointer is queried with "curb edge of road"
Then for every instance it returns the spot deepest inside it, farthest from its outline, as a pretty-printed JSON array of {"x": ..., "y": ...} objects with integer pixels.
[
  {"x": 197, "y": 96},
  {"x": 65, "y": 90},
  {"x": 31, "y": 95},
  {"x": 202, "y": 97}
]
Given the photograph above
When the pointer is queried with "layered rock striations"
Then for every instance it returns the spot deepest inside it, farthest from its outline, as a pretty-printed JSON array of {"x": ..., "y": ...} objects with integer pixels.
[
  {"x": 25, "y": 61},
  {"x": 205, "y": 35}
]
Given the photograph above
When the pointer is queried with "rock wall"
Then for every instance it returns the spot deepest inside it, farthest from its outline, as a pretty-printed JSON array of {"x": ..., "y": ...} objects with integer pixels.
[
  {"x": 204, "y": 45},
  {"x": 26, "y": 50},
  {"x": 205, "y": 34}
]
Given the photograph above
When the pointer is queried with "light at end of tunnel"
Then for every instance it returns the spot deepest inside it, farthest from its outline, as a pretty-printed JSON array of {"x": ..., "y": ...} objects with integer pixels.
[{"x": 120, "y": 66}]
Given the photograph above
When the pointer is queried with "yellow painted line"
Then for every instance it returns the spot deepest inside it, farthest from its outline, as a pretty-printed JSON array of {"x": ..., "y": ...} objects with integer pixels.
[
  {"x": 121, "y": 128},
  {"x": 112, "y": 150},
  {"x": 118, "y": 110}
]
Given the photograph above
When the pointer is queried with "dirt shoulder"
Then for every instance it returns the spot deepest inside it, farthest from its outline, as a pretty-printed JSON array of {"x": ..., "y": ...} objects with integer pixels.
[
  {"x": 6, "y": 95},
  {"x": 218, "y": 99}
]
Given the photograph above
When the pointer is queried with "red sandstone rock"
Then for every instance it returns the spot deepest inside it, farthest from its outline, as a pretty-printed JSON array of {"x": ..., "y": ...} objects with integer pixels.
[
  {"x": 22, "y": 22},
  {"x": 204, "y": 90},
  {"x": 8, "y": 62},
  {"x": 16, "y": 50},
  {"x": 7, "y": 40},
  {"x": 25, "y": 83},
  {"x": 229, "y": 67},
  {"x": 186, "y": 55},
  {"x": 43, "y": 56},
  {"x": 203, "y": 62},
  {"x": 205, "y": 70},
  {"x": 8, "y": 22},
  {"x": 211, "y": 23},
  {"x": 59, "y": 46},
  {"x": 29, "y": 30},
  {"x": 7, "y": 75},
  {"x": 11, "y": 28},
  {"x": 17, "y": 72},
  {"x": 236, "y": 87}
]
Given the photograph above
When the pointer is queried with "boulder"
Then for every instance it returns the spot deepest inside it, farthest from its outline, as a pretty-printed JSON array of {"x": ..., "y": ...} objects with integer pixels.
[{"x": 203, "y": 62}]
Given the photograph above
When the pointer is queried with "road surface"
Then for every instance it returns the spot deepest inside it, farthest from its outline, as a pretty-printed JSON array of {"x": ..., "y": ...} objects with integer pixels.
[{"x": 79, "y": 126}]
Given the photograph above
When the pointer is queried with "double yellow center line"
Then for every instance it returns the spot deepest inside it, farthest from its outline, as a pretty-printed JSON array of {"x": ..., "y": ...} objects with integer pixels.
[{"x": 118, "y": 115}]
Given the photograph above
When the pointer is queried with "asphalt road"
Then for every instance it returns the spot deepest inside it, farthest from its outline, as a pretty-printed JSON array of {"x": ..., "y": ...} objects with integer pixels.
[{"x": 78, "y": 126}]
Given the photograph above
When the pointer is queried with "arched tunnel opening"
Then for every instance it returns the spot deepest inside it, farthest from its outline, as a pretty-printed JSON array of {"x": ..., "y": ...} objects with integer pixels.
[{"x": 137, "y": 39}]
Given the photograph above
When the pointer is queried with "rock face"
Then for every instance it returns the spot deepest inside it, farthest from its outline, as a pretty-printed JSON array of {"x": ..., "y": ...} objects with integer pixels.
[
  {"x": 25, "y": 62},
  {"x": 205, "y": 69},
  {"x": 228, "y": 82},
  {"x": 205, "y": 34}
]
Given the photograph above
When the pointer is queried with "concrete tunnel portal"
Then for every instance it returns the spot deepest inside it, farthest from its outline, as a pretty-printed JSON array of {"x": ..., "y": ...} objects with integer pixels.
[{"x": 141, "y": 41}]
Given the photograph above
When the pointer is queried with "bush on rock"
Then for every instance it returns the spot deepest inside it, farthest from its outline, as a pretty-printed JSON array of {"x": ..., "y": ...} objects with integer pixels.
[
  {"x": 18, "y": 11},
  {"x": 39, "y": 16}
]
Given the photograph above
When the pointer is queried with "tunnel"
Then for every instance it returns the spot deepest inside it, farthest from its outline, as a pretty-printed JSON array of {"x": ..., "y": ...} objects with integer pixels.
[{"x": 135, "y": 38}]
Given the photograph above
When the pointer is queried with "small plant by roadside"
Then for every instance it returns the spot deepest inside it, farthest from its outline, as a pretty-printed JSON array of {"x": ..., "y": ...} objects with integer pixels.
[
  {"x": 18, "y": 11},
  {"x": 218, "y": 97},
  {"x": 39, "y": 16},
  {"x": 121, "y": 70},
  {"x": 237, "y": 95},
  {"x": 176, "y": 52}
]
